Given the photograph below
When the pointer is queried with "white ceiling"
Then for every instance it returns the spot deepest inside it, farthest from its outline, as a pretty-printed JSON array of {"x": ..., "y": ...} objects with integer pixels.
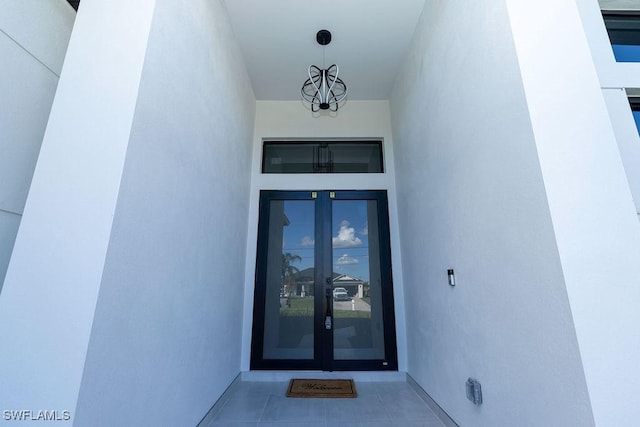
[{"x": 370, "y": 39}]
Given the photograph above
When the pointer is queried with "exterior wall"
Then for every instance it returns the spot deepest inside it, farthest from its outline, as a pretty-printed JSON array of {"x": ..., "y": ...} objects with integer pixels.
[
  {"x": 471, "y": 196},
  {"x": 614, "y": 78},
  {"x": 612, "y": 74},
  {"x": 33, "y": 41},
  {"x": 627, "y": 137},
  {"x": 50, "y": 291},
  {"x": 166, "y": 337},
  {"x": 592, "y": 210},
  {"x": 290, "y": 120}
]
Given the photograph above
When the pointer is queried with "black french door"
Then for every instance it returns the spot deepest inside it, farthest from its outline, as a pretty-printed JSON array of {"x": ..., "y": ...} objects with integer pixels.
[{"x": 323, "y": 291}]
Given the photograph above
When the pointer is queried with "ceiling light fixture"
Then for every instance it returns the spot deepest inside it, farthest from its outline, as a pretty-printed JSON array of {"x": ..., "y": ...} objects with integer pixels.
[{"x": 324, "y": 90}]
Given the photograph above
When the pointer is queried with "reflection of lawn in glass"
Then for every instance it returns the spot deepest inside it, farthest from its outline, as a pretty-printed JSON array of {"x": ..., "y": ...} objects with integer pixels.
[{"x": 303, "y": 307}]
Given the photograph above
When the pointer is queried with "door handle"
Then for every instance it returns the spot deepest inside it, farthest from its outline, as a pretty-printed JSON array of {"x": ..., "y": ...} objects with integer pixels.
[{"x": 328, "y": 321}]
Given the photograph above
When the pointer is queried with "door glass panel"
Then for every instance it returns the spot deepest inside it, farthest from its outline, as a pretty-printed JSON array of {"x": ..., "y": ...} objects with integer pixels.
[
  {"x": 357, "y": 281},
  {"x": 289, "y": 301}
]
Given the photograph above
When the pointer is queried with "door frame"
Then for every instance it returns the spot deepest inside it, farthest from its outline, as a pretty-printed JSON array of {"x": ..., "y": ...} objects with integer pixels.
[{"x": 323, "y": 262}]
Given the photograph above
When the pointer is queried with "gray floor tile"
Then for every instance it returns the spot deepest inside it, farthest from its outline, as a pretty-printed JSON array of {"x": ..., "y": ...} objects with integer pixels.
[
  {"x": 364, "y": 408},
  {"x": 290, "y": 409},
  {"x": 291, "y": 424},
  {"x": 258, "y": 388},
  {"x": 409, "y": 407},
  {"x": 232, "y": 424},
  {"x": 367, "y": 389},
  {"x": 379, "y": 404},
  {"x": 362, "y": 424},
  {"x": 419, "y": 423},
  {"x": 245, "y": 408},
  {"x": 395, "y": 388}
]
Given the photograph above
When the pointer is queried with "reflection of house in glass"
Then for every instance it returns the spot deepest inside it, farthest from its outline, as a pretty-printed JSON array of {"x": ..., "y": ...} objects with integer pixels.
[
  {"x": 353, "y": 285},
  {"x": 304, "y": 280}
]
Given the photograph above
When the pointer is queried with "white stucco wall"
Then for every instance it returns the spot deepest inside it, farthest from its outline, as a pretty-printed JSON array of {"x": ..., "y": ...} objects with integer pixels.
[
  {"x": 33, "y": 41},
  {"x": 48, "y": 301},
  {"x": 611, "y": 74},
  {"x": 592, "y": 210},
  {"x": 471, "y": 197},
  {"x": 627, "y": 137},
  {"x": 614, "y": 78},
  {"x": 291, "y": 120},
  {"x": 166, "y": 338}
]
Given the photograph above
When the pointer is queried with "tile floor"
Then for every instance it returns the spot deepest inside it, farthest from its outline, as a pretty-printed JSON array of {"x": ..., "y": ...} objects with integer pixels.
[{"x": 265, "y": 404}]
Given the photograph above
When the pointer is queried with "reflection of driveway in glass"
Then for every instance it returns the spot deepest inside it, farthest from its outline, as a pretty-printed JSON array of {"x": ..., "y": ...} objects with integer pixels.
[{"x": 346, "y": 305}]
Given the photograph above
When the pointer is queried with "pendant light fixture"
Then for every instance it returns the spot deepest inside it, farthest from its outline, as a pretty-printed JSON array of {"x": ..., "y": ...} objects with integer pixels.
[{"x": 324, "y": 90}]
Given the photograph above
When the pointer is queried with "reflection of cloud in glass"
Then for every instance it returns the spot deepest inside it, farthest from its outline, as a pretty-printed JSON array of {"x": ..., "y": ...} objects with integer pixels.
[
  {"x": 346, "y": 260},
  {"x": 365, "y": 230},
  {"x": 307, "y": 241},
  {"x": 346, "y": 237}
]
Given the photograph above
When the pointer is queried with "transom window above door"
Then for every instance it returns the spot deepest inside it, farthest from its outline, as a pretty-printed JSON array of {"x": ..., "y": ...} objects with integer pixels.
[{"x": 322, "y": 157}]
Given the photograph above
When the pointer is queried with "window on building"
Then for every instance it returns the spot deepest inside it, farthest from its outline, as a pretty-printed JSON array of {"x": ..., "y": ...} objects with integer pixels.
[
  {"x": 635, "y": 108},
  {"x": 322, "y": 157},
  {"x": 623, "y": 28}
]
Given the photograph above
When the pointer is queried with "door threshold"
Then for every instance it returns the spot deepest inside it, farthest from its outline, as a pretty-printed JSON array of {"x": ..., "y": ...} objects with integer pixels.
[{"x": 363, "y": 376}]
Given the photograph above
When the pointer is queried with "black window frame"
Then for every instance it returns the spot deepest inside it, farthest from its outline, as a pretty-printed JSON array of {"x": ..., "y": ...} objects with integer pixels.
[
  {"x": 322, "y": 159},
  {"x": 623, "y": 26}
]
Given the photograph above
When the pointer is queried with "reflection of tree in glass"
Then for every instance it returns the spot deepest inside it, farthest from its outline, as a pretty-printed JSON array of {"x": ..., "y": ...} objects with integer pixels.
[{"x": 288, "y": 272}]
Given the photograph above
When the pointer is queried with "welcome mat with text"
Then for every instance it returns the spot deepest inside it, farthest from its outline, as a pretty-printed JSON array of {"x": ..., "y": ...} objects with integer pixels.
[{"x": 321, "y": 388}]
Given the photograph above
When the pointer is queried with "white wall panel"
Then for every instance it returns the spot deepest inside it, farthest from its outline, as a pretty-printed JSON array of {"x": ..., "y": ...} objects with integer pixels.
[
  {"x": 27, "y": 90},
  {"x": 33, "y": 41},
  {"x": 591, "y": 204},
  {"x": 9, "y": 223},
  {"x": 49, "y": 295},
  {"x": 627, "y": 137},
  {"x": 612, "y": 74},
  {"x": 166, "y": 338},
  {"x": 471, "y": 197},
  {"x": 41, "y": 27}
]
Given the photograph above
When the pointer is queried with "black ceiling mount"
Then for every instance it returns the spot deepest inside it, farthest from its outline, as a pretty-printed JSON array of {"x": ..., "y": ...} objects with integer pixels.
[{"x": 323, "y": 37}]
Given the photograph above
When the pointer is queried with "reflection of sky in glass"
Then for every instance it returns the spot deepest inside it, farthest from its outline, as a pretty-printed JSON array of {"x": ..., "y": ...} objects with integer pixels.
[
  {"x": 626, "y": 53},
  {"x": 636, "y": 117},
  {"x": 349, "y": 236},
  {"x": 299, "y": 234}
]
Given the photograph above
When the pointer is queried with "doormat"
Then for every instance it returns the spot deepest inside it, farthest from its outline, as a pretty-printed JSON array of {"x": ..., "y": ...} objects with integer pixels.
[{"x": 299, "y": 387}]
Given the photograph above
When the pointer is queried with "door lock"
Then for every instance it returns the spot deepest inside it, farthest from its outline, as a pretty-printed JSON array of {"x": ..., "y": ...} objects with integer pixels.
[{"x": 327, "y": 323}]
